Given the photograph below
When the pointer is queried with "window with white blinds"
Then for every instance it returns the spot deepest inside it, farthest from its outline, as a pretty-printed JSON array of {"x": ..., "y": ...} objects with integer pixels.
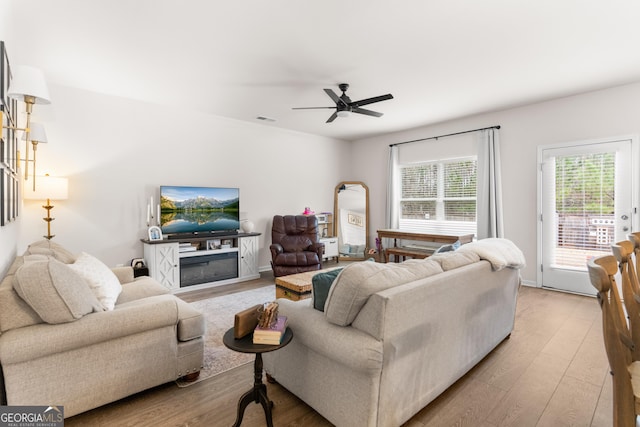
[
  {"x": 439, "y": 196},
  {"x": 584, "y": 205}
]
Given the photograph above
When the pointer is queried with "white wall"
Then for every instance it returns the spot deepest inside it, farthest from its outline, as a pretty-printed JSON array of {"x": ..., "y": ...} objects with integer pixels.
[
  {"x": 117, "y": 152},
  {"x": 8, "y": 233},
  {"x": 610, "y": 112}
]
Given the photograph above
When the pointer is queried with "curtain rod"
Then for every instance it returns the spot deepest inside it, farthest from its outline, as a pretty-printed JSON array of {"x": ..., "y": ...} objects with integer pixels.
[{"x": 443, "y": 136}]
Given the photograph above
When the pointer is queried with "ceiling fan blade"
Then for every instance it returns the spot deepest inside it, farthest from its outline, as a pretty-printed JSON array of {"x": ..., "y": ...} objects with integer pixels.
[
  {"x": 333, "y": 117},
  {"x": 310, "y": 108},
  {"x": 371, "y": 100},
  {"x": 367, "y": 112},
  {"x": 335, "y": 97}
]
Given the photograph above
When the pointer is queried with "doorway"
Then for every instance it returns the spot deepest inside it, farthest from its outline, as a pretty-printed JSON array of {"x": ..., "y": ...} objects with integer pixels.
[{"x": 586, "y": 202}]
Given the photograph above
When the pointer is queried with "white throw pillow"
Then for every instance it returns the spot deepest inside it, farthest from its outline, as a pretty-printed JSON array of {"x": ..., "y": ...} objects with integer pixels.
[{"x": 102, "y": 281}]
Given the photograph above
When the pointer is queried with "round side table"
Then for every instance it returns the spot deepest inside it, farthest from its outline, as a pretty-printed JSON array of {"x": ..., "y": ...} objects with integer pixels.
[{"x": 258, "y": 393}]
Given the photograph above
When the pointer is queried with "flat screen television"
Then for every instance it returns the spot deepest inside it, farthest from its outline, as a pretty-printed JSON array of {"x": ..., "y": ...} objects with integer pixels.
[{"x": 199, "y": 210}]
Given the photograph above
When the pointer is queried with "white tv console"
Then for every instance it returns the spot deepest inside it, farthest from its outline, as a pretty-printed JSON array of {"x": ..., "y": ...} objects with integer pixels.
[{"x": 189, "y": 263}]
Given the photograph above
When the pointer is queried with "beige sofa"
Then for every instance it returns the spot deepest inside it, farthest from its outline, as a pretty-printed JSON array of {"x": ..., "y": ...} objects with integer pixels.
[
  {"x": 393, "y": 337},
  {"x": 60, "y": 344}
]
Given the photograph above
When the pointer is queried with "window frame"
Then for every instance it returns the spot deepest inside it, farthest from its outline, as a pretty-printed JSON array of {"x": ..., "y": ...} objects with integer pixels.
[{"x": 439, "y": 224}]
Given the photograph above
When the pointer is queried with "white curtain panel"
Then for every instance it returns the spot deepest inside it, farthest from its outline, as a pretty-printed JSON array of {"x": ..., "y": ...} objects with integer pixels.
[
  {"x": 489, "y": 196},
  {"x": 392, "y": 219}
]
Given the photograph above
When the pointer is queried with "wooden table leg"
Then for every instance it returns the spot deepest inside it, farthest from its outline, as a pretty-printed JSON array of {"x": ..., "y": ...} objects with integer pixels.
[{"x": 257, "y": 394}]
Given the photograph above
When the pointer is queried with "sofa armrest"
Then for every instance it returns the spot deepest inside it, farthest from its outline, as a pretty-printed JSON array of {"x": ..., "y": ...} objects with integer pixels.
[
  {"x": 124, "y": 274},
  {"x": 319, "y": 249},
  {"x": 344, "y": 344},
  {"x": 275, "y": 249},
  {"x": 31, "y": 342},
  {"x": 191, "y": 323}
]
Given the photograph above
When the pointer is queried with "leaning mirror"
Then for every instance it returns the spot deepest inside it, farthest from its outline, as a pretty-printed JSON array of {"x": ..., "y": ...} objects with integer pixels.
[{"x": 351, "y": 216}]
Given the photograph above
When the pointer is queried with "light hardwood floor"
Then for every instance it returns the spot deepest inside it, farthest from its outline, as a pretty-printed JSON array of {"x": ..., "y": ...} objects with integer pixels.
[{"x": 551, "y": 372}]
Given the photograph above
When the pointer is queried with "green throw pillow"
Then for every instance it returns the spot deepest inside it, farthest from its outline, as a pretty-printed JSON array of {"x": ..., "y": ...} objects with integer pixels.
[{"x": 321, "y": 283}]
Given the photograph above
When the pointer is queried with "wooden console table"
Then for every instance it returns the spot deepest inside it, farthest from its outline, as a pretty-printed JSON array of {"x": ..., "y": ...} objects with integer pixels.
[{"x": 403, "y": 251}]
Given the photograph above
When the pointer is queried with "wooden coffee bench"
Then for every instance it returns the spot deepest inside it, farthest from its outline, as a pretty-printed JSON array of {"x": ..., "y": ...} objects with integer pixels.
[{"x": 297, "y": 286}]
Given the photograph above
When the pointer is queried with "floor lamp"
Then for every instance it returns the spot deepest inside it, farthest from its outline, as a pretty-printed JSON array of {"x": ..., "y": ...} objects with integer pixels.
[{"x": 49, "y": 188}]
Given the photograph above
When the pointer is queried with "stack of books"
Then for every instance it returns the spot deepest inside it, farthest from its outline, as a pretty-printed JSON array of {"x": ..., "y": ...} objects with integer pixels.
[{"x": 271, "y": 335}]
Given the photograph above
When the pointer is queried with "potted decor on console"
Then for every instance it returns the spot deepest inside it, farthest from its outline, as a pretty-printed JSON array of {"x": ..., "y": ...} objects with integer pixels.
[{"x": 246, "y": 226}]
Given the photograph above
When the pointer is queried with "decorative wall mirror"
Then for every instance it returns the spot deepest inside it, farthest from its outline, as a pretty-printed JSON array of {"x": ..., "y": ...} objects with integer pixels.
[{"x": 351, "y": 217}]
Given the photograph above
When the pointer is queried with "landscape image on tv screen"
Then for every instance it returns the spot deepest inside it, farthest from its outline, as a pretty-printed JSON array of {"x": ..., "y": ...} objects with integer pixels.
[{"x": 199, "y": 209}]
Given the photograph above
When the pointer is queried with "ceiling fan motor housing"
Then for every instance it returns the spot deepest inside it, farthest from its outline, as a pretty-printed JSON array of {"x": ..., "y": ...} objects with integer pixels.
[{"x": 344, "y": 105}]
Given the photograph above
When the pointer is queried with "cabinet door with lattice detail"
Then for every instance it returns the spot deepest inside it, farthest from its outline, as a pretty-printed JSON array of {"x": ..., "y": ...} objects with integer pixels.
[
  {"x": 163, "y": 261},
  {"x": 249, "y": 257}
]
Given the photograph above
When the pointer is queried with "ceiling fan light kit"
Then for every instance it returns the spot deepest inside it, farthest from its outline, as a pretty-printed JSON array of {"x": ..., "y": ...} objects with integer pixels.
[{"x": 345, "y": 106}]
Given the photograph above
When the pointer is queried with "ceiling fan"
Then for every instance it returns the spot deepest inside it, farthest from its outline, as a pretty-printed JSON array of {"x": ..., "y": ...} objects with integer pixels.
[{"x": 344, "y": 105}]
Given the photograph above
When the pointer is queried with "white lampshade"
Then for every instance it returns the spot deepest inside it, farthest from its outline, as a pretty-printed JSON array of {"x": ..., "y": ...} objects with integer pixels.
[
  {"x": 49, "y": 187},
  {"x": 343, "y": 113},
  {"x": 28, "y": 81},
  {"x": 37, "y": 133}
]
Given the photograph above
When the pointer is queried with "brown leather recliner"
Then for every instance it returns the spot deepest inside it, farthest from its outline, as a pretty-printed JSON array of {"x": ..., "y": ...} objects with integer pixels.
[{"x": 294, "y": 245}]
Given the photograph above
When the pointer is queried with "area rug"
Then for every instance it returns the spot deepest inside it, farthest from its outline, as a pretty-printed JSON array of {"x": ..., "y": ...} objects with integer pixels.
[{"x": 219, "y": 315}]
